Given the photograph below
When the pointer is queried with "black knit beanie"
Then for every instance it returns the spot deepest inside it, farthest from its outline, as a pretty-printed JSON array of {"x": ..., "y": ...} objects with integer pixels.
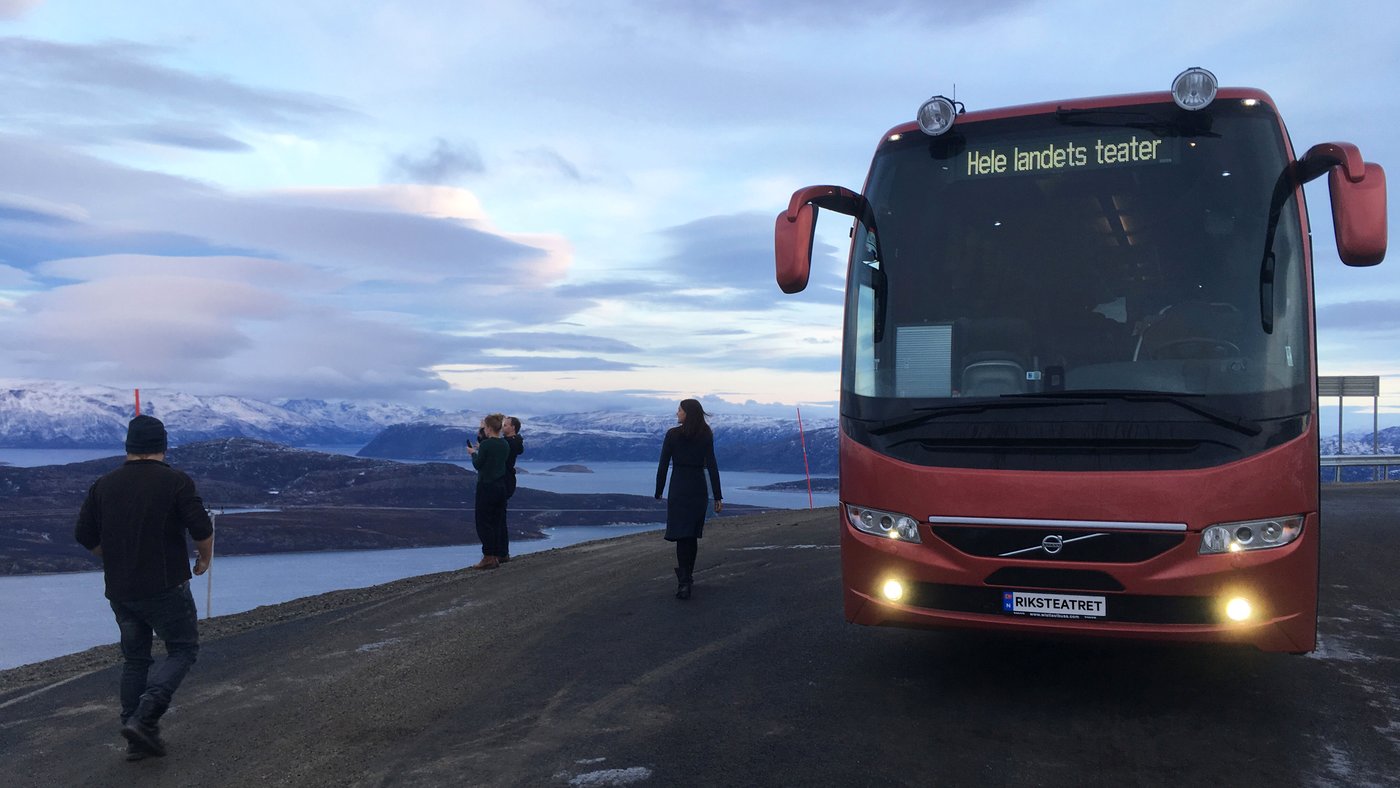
[{"x": 145, "y": 435}]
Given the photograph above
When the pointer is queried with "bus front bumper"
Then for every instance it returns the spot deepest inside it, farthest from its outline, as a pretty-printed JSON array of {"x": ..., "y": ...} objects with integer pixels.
[{"x": 1178, "y": 596}]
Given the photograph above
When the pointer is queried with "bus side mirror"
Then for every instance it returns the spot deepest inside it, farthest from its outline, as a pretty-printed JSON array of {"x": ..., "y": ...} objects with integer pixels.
[
  {"x": 1358, "y": 214},
  {"x": 792, "y": 235},
  {"x": 792, "y": 245}
]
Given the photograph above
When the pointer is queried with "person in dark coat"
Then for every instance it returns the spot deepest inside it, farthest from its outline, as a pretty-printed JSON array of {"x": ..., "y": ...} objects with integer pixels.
[
  {"x": 136, "y": 519},
  {"x": 689, "y": 449},
  {"x": 510, "y": 433},
  {"x": 489, "y": 458}
]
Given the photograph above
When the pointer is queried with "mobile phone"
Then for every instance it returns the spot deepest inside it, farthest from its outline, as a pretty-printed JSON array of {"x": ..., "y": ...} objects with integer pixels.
[{"x": 469, "y": 443}]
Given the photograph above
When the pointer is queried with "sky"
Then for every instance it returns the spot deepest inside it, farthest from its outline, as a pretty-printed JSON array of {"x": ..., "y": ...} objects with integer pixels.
[{"x": 572, "y": 204}]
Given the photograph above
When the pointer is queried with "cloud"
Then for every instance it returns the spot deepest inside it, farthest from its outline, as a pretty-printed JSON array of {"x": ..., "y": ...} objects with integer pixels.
[
  {"x": 729, "y": 14},
  {"x": 333, "y": 292},
  {"x": 14, "y": 9},
  {"x": 413, "y": 234},
  {"x": 445, "y": 162},
  {"x": 93, "y": 92},
  {"x": 233, "y": 337},
  {"x": 551, "y": 160},
  {"x": 11, "y": 277},
  {"x": 1377, "y": 315},
  {"x": 28, "y": 238},
  {"x": 181, "y": 135},
  {"x": 544, "y": 341},
  {"x": 727, "y": 262},
  {"x": 495, "y": 362}
]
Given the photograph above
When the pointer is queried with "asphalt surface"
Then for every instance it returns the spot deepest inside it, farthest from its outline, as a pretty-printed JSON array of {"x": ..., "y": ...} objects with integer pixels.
[{"x": 578, "y": 667}]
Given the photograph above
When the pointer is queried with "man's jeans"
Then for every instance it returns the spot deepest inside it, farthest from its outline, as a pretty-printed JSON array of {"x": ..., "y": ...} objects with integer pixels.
[{"x": 171, "y": 615}]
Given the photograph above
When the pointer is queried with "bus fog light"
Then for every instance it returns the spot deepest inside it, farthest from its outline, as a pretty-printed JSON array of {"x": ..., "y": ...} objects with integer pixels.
[
  {"x": 1250, "y": 535},
  {"x": 1194, "y": 88},
  {"x": 893, "y": 590},
  {"x": 1239, "y": 609},
  {"x": 936, "y": 115},
  {"x": 892, "y": 525}
]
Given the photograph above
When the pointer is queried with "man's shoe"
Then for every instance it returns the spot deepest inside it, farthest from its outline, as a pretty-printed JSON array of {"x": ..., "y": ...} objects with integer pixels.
[
  {"x": 144, "y": 736},
  {"x": 503, "y": 559},
  {"x": 488, "y": 562},
  {"x": 136, "y": 752}
]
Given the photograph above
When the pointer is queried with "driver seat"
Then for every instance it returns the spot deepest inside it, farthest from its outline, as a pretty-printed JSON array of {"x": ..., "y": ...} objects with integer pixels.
[{"x": 1191, "y": 330}]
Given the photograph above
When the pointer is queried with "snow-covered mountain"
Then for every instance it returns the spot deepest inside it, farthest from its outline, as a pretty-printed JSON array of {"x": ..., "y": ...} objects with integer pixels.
[
  {"x": 742, "y": 442},
  {"x": 54, "y": 415},
  {"x": 1387, "y": 441}
]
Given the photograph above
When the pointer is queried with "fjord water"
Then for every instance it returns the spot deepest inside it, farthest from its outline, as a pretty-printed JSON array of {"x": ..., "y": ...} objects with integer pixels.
[{"x": 53, "y": 615}]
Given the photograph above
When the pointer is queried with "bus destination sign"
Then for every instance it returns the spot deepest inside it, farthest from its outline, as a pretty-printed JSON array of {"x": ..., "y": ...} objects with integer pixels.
[{"x": 1064, "y": 155}]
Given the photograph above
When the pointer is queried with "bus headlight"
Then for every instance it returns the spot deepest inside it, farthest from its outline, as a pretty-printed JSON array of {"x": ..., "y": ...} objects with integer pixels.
[
  {"x": 1250, "y": 535},
  {"x": 891, "y": 525}
]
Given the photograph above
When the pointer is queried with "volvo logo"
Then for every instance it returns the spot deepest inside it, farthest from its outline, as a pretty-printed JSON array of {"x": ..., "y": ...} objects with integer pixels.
[{"x": 1052, "y": 544}]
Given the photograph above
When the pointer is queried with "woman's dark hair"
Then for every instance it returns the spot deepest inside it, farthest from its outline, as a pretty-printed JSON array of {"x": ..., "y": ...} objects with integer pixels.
[{"x": 694, "y": 419}]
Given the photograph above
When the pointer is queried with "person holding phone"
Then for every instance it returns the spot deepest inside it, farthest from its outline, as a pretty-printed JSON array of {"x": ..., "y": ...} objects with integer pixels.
[
  {"x": 510, "y": 433},
  {"x": 490, "y": 461},
  {"x": 689, "y": 450}
]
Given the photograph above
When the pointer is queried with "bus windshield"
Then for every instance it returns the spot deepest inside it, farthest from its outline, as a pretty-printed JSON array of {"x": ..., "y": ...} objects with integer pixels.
[{"x": 1090, "y": 255}]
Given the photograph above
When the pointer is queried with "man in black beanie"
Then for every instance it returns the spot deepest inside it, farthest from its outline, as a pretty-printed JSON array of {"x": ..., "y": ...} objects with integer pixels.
[{"x": 135, "y": 519}]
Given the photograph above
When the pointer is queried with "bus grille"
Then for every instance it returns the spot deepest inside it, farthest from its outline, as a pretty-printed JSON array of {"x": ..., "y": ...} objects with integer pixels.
[{"x": 1028, "y": 544}]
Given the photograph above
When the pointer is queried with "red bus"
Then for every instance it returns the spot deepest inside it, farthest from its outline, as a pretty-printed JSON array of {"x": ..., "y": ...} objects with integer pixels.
[{"x": 1078, "y": 376}]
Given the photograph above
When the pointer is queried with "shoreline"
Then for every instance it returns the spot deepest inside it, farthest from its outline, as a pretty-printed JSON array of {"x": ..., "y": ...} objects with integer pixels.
[{"x": 68, "y": 666}]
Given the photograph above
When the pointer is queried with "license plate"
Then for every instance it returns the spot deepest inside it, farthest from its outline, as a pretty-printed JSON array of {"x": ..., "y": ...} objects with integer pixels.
[{"x": 1023, "y": 603}]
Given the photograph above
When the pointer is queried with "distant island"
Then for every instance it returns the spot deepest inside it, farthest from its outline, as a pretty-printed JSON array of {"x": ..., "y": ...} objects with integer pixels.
[
  {"x": 822, "y": 485},
  {"x": 571, "y": 469},
  {"x": 270, "y": 498}
]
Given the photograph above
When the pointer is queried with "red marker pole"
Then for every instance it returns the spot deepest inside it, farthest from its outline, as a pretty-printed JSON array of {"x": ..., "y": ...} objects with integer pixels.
[
  {"x": 138, "y": 401},
  {"x": 209, "y": 589},
  {"x": 806, "y": 469}
]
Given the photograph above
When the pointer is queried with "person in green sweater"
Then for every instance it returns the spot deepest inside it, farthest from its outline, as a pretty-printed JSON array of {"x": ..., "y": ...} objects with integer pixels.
[{"x": 491, "y": 460}]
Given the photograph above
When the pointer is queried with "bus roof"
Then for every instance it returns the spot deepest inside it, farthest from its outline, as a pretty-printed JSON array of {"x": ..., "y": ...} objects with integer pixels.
[{"x": 1097, "y": 102}]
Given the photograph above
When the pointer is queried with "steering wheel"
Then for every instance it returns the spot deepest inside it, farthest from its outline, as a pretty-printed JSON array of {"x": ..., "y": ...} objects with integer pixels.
[{"x": 1196, "y": 348}]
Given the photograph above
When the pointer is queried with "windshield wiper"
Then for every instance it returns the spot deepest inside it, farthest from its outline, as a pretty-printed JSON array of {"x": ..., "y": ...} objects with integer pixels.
[
  {"x": 1181, "y": 400},
  {"x": 930, "y": 414}
]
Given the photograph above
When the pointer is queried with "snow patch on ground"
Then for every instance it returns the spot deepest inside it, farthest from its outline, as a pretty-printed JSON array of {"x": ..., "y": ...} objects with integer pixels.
[
  {"x": 606, "y": 777},
  {"x": 368, "y": 647},
  {"x": 1331, "y": 647}
]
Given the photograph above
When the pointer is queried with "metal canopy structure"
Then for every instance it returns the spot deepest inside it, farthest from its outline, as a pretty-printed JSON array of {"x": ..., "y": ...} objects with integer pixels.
[{"x": 1343, "y": 386}]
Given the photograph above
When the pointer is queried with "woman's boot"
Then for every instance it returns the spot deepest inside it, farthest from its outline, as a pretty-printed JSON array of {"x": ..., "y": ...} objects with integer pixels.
[{"x": 682, "y": 583}]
